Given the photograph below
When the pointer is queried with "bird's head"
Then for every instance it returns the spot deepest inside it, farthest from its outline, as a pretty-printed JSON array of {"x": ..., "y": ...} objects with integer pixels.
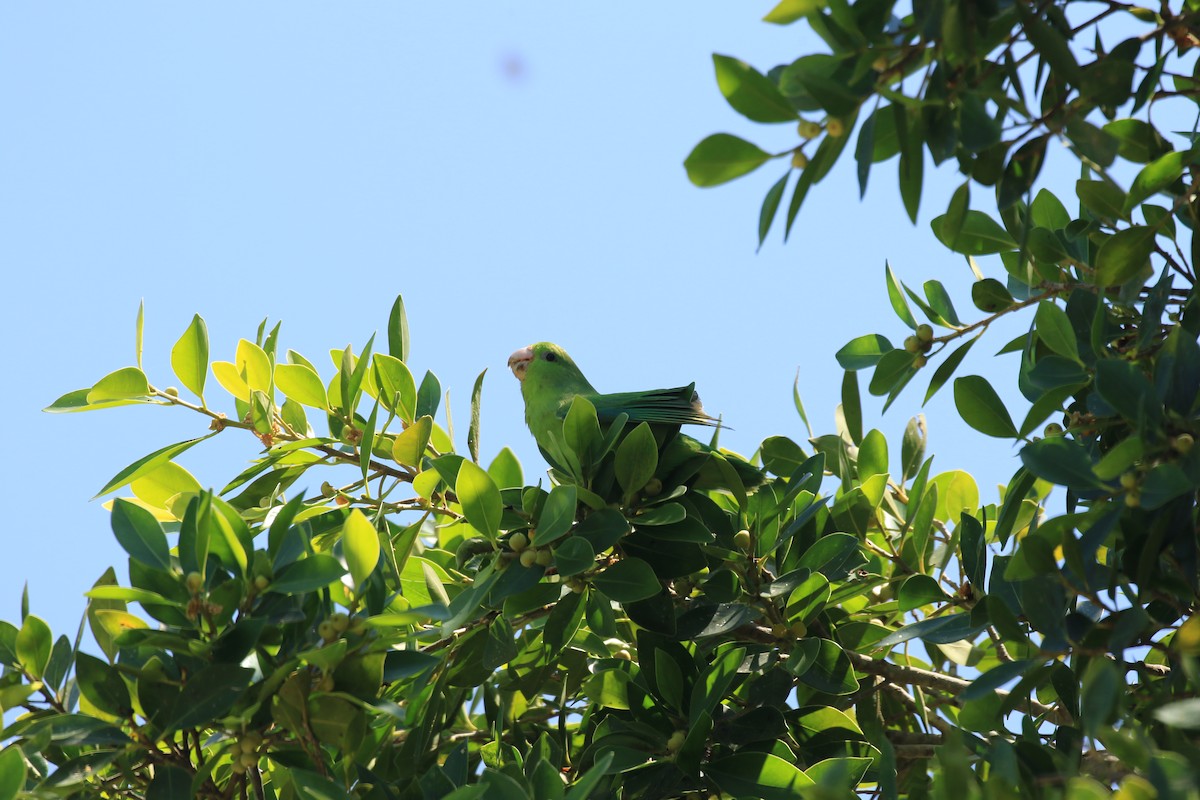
[{"x": 543, "y": 361}]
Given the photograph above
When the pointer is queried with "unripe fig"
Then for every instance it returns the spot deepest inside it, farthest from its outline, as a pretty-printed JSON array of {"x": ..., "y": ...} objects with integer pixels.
[
  {"x": 194, "y": 582},
  {"x": 1053, "y": 429},
  {"x": 799, "y": 160},
  {"x": 1129, "y": 480},
  {"x": 808, "y": 129},
  {"x": 340, "y": 621},
  {"x": 912, "y": 344},
  {"x": 172, "y": 390},
  {"x": 545, "y": 558},
  {"x": 653, "y": 488},
  {"x": 835, "y": 127},
  {"x": 925, "y": 333},
  {"x": 518, "y": 542},
  {"x": 676, "y": 741},
  {"x": 741, "y": 539},
  {"x": 919, "y": 362},
  {"x": 327, "y": 631},
  {"x": 528, "y": 558},
  {"x": 1183, "y": 443},
  {"x": 799, "y": 629}
]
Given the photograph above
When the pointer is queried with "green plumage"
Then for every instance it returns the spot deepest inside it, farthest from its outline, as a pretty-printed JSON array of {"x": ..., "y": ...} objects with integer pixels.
[{"x": 550, "y": 381}]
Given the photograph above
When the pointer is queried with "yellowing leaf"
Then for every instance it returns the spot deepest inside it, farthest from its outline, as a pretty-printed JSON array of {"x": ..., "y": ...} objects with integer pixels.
[
  {"x": 360, "y": 544},
  {"x": 301, "y": 384},
  {"x": 252, "y": 361},
  {"x": 231, "y": 380}
]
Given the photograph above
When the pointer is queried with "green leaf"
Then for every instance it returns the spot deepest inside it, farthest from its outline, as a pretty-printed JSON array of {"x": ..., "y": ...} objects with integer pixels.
[
  {"x": 637, "y": 459},
  {"x": 894, "y": 370},
  {"x": 557, "y": 515},
  {"x": 480, "y": 499},
  {"x": 505, "y": 470},
  {"x": 1061, "y": 460},
  {"x": 981, "y": 408},
  {"x": 573, "y": 556},
  {"x": 990, "y": 295},
  {"x": 473, "y": 428},
  {"x": 1180, "y": 714},
  {"x": 1123, "y": 255},
  {"x": 307, "y": 575},
  {"x": 750, "y": 93},
  {"x": 124, "y": 384},
  {"x": 1021, "y": 172},
  {"x": 397, "y": 389},
  {"x": 770, "y": 206},
  {"x": 207, "y": 695},
  {"x": 895, "y": 290},
  {"x": 189, "y": 357},
  {"x": 140, "y": 535},
  {"x": 360, "y": 545},
  {"x": 760, "y": 775},
  {"x": 788, "y": 11},
  {"x": 409, "y": 445},
  {"x": 33, "y": 645},
  {"x": 872, "y": 455},
  {"x": 946, "y": 368},
  {"x": 722, "y": 157},
  {"x": 1101, "y": 198},
  {"x": 1137, "y": 140},
  {"x": 918, "y": 591},
  {"x": 979, "y": 235},
  {"x": 147, "y": 464},
  {"x": 102, "y": 685},
  {"x": 301, "y": 384},
  {"x": 581, "y": 430},
  {"x": 863, "y": 351},
  {"x": 628, "y": 580},
  {"x": 939, "y": 301},
  {"x": 833, "y": 555},
  {"x": 1154, "y": 177},
  {"x": 821, "y": 79},
  {"x": 1101, "y": 691},
  {"x": 398, "y": 339},
  {"x": 12, "y": 771},
  {"x": 1054, "y": 329}
]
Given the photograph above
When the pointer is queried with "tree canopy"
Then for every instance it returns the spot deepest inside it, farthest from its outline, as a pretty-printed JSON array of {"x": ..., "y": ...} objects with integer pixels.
[{"x": 370, "y": 611}]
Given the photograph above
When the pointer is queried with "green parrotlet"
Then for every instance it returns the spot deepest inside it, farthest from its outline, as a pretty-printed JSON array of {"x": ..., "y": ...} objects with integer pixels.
[{"x": 550, "y": 381}]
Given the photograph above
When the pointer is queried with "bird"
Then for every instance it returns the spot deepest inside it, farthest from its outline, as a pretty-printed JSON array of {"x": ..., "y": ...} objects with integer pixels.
[{"x": 550, "y": 382}]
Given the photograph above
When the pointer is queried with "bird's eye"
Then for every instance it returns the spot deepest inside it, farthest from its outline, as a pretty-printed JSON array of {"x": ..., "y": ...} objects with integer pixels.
[{"x": 551, "y": 357}]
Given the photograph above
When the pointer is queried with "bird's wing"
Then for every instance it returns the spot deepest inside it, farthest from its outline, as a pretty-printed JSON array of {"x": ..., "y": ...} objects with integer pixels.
[{"x": 678, "y": 406}]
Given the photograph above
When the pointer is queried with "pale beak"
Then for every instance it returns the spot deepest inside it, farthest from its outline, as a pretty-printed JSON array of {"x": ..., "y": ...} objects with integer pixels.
[{"x": 519, "y": 361}]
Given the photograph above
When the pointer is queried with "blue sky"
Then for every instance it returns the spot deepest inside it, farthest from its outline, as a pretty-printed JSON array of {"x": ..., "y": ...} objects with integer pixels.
[{"x": 513, "y": 169}]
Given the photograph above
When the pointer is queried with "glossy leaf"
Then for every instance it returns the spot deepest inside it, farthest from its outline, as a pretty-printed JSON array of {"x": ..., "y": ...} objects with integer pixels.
[
  {"x": 637, "y": 459},
  {"x": 749, "y": 93},
  {"x": 722, "y": 157},
  {"x": 761, "y": 775},
  {"x": 360, "y": 545},
  {"x": 301, "y": 384},
  {"x": 981, "y": 408},
  {"x": 189, "y": 357},
  {"x": 628, "y": 580},
  {"x": 1123, "y": 255},
  {"x": 480, "y": 498},
  {"x": 863, "y": 352}
]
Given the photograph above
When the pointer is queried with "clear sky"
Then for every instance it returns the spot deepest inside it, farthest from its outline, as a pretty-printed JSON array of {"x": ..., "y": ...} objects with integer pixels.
[{"x": 514, "y": 169}]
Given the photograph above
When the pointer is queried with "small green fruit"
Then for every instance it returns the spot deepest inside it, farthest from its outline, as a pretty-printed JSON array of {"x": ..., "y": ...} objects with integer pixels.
[
  {"x": 528, "y": 558},
  {"x": 518, "y": 542},
  {"x": 835, "y": 127},
  {"x": 676, "y": 741},
  {"x": 925, "y": 333},
  {"x": 1129, "y": 480},
  {"x": 799, "y": 629},
  {"x": 172, "y": 390},
  {"x": 808, "y": 129},
  {"x": 741, "y": 540},
  {"x": 545, "y": 558},
  {"x": 912, "y": 344},
  {"x": 1133, "y": 499},
  {"x": 327, "y": 631},
  {"x": 194, "y": 582},
  {"x": 1183, "y": 443},
  {"x": 799, "y": 160},
  {"x": 1053, "y": 429},
  {"x": 653, "y": 488},
  {"x": 919, "y": 362},
  {"x": 261, "y": 582},
  {"x": 248, "y": 760},
  {"x": 340, "y": 621}
]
